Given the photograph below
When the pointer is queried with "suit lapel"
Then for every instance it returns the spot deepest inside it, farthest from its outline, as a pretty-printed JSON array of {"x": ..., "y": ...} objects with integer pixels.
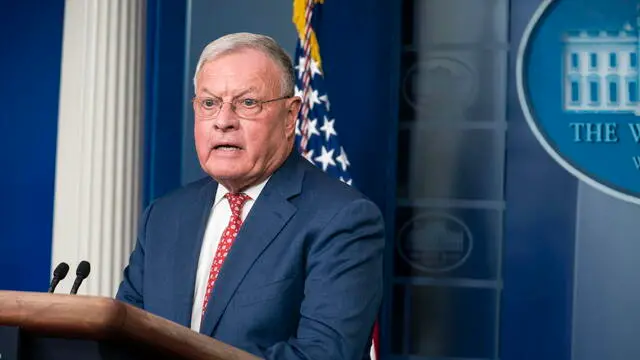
[
  {"x": 268, "y": 216},
  {"x": 191, "y": 230}
]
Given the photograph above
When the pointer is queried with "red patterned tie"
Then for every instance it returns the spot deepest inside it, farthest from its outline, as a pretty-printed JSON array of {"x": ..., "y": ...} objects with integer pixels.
[{"x": 236, "y": 202}]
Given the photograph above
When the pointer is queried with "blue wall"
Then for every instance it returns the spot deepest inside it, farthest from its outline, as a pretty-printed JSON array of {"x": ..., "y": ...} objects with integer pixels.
[
  {"x": 538, "y": 256},
  {"x": 30, "y": 73},
  {"x": 165, "y": 47}
]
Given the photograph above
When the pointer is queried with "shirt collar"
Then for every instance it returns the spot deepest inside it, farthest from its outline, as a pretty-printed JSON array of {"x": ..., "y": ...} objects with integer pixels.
[{"x": 253, "y": 191}]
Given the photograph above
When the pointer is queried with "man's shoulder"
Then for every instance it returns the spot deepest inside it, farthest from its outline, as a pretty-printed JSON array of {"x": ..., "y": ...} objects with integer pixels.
[
  {"x": 326, "y": 188},
  {"x": 185, "y": 194}
]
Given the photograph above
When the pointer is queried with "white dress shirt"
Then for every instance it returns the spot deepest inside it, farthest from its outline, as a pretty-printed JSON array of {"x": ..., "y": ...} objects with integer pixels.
[{"x": 218, "y": 220}]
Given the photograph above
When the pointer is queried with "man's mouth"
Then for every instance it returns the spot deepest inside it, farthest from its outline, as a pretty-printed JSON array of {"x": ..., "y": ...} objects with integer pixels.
[{"x": 227, "y": 147}]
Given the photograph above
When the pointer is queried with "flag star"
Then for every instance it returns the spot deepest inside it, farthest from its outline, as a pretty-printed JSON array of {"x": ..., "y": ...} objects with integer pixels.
[
  {"x": 298, "y": 133},
  {"x": 298, "y": 92},
  {"x": 326, "y": 158},
  {"x": 301, "y": 64},
  {"x": 342, "y": 159},
  {"x": 313, "y": 99},
  {"x": 328, "y": 129},
  {"x": 314, "y": 68},
  {"x": 312, "y": 128},
  {"x": 309, "y": 155},
  {"x": 325, "y": 99}
]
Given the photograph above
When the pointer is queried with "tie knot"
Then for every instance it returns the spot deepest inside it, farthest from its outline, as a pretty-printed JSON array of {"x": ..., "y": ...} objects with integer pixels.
[{"x": 236, "y": 202}]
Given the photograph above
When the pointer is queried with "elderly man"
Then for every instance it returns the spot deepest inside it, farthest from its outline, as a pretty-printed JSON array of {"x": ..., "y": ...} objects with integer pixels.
[{"x": 268, "y": 254}]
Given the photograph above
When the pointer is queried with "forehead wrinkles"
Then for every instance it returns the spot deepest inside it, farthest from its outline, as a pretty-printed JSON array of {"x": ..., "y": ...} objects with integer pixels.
[{"x": 230, "y": 86}]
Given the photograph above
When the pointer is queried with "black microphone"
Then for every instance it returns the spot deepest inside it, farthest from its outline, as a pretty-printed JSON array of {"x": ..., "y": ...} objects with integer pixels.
[
  {"x": 82, "y": 271},
  {"x": 58, "y": 274}
]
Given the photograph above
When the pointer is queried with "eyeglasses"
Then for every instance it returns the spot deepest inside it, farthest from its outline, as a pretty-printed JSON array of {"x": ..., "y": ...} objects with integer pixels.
[{"x": 209, "y": 107}]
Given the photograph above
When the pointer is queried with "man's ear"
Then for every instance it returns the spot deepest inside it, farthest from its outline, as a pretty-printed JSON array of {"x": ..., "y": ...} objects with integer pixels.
[{"x": 293, "y": 108}]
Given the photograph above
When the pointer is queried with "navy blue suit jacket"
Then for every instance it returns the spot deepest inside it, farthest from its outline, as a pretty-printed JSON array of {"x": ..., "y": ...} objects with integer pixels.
[{"x": 303, "y": 279}]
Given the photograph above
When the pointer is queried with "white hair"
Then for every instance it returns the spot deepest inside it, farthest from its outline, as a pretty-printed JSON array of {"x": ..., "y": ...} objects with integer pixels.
[{"x": 266, "y": 44}]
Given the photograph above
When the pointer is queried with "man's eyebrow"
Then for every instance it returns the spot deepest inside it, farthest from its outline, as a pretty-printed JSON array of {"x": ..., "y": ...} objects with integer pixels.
[{"x": 208, "y": 92}]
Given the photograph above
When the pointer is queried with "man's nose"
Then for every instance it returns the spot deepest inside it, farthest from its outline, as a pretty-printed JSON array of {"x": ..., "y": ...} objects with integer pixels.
[{"x": 226, "y": 119}]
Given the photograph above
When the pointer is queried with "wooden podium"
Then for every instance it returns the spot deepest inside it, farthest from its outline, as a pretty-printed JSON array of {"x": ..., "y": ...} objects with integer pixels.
[{"x": 54, "y": 326}]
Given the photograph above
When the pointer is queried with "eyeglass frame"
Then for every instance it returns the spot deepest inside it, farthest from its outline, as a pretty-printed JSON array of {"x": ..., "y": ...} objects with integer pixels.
[{"x": 260, "y": 103}]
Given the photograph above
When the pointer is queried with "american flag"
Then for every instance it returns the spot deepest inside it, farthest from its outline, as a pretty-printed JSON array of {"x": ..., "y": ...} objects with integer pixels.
[
  {"x": 320, "y": 143},
  {"x": 316, "y": 135}
]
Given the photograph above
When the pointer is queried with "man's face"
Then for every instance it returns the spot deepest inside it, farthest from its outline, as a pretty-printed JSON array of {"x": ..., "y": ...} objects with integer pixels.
[{"x": 240, "y": 151}]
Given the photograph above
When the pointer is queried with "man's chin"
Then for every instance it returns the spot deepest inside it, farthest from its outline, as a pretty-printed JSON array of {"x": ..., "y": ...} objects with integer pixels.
[{"x": 225, "y": 159}]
